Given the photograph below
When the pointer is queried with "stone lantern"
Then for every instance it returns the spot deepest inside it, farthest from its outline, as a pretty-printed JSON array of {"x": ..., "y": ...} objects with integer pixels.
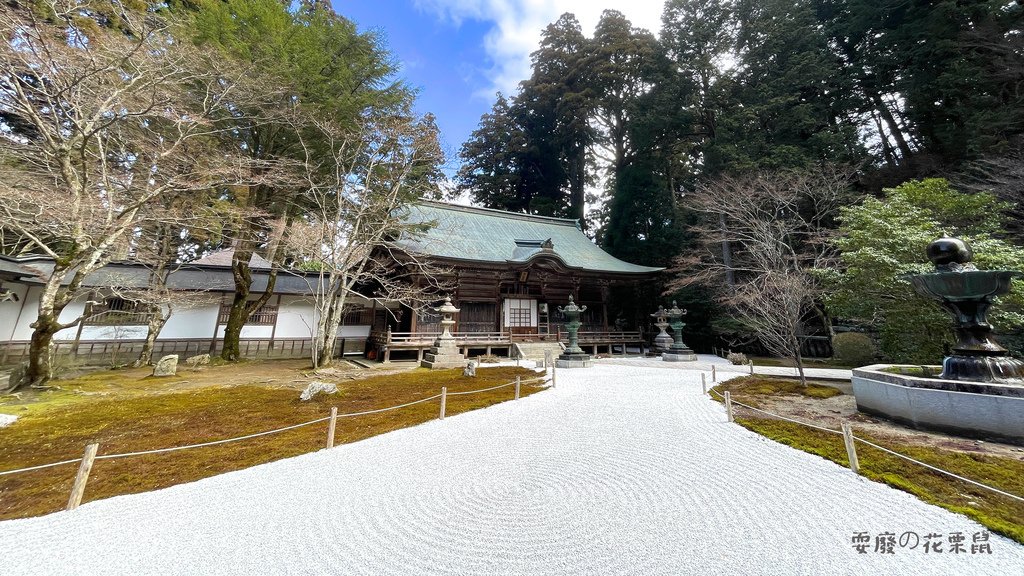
[
  {"x": 444, "y": 353},
  {"x": 677, "y": 352},
  {"x": 573, "y": 357},
  {"x": 662, "y": 342}
]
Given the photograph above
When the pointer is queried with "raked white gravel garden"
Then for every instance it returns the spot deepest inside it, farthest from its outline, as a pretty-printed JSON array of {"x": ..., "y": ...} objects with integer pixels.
[{"x": 620, "y": 469}]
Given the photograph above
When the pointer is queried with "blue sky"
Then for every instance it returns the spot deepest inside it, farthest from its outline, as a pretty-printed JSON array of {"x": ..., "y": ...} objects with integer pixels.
[{"x": 459, "y": 53}]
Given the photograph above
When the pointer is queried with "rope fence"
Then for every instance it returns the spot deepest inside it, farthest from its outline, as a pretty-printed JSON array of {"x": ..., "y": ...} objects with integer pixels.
[
  {"x": 849, "y": 439},
  {"x": 90, "y": 451}
]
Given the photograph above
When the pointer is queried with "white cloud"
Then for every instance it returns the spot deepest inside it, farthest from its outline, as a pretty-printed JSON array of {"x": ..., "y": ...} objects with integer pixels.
[{"x": 517, "y": 25}]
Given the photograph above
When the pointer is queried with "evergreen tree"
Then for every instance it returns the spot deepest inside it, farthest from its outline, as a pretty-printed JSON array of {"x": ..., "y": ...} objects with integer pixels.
[
  {"x": 793, "y": 108},
  {"x": 948, "y": 71},
  {"x": 558, "y": 92},
  {"x": 492, "y": 161},
  {"x": 698, "y": 37},
  {"x": 320, "y": 61}
]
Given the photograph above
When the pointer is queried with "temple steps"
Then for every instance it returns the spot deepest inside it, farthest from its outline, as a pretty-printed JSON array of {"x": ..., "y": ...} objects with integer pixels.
[{"x": 535, "y": 350}]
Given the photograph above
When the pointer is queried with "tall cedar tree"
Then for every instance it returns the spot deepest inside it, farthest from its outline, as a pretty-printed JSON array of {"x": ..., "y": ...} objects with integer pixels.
[
  {"x": 558, "y": 92},
  {"x": 941, "y": 78},
  {"x": 491, "y": 161}
]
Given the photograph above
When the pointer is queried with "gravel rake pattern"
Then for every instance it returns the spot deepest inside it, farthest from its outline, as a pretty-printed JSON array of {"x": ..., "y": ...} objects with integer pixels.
[{"x": 617, "y": 470}]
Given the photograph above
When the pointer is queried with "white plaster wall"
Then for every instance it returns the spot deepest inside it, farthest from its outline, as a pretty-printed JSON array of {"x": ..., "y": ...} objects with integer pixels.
[
  {"x": 354, "y": 332},
  {"x": 105, "y": 333},
  {"x": 249, "y": 332},
  {"x": 191, "y": 323},
  {"x": 296, "y": 318},
  {"x": 9, "y": 311},
  {"x": 70, "y": 312}
]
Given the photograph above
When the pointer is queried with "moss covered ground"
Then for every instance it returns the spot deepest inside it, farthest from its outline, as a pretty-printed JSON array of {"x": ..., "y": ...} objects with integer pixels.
[
  {"x": 126, "y": 411},
  {"x": 998, "y": 513}
]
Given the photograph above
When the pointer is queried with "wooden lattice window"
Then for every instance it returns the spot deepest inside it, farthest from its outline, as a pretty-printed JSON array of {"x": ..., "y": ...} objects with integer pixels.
[
  {"x": 264, "y": 316},
  {"x": 116, "y": 311},
  {"x": 520, "y": 312},
  {"x": 357, "y": 316}
]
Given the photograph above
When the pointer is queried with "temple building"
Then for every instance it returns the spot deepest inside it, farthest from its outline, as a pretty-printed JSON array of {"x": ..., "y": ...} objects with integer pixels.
[{"x": 510, "y": 272}]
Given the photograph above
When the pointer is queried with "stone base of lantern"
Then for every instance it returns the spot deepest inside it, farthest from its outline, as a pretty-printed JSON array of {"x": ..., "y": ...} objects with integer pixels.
[
  {"x": 679, "y": 356},
  {"x": 663, "y": 342},
  {"x": 574, "y": 361},
  {"x": 443, "y": 356}
]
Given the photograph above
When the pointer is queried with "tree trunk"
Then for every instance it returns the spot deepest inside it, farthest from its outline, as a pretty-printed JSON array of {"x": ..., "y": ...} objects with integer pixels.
[
  {"x": 156, "y": 324},
  {"x": 578, "y": 181},
  {"x": 40, "y": 352},
  {"x": 894, "y": 127},
  {"x": 236, "y": 321},
  {"x": 798, "y": 359},
  {"x": 730, "y": 275},
  {"x": 327, "y": 336},
  {"x": 51, "y": 303}
]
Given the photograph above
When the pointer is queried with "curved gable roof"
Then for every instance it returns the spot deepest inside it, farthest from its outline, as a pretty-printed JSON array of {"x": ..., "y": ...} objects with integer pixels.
[{"x": 485, "y": 235}]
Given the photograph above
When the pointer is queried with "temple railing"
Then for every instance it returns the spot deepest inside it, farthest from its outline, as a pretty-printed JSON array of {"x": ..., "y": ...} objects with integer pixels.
[
  {"x": 604, "y": 336},
  {"x": 423, "y": 339},
  {"x": 414, "y": 339}
]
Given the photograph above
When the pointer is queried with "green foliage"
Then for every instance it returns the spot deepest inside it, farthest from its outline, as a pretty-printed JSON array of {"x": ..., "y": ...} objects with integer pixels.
[
  {"x": 950, "y": 61},
  {"x": 491, "y": 159},
  {"x": 853, "y": 349},
  {"x": 790, "y": 106},
  {"x": 529, "y": 155},
  {"x": 883, "y": 239}
]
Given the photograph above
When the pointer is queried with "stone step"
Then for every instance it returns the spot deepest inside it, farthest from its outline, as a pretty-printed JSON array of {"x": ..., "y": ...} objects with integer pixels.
[{"x": 535, "y": 350}]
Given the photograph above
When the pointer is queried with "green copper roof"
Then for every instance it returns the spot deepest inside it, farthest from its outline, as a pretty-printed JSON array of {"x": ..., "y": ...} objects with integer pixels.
[{"x": 484, "y": 235}]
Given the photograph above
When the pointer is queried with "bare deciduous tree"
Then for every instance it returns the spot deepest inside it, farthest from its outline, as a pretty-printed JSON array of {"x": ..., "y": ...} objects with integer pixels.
[
  {"x": 97, "y": 124},
  {"x": 776, "y": 224},
  {"x": 357, "y": 183}
]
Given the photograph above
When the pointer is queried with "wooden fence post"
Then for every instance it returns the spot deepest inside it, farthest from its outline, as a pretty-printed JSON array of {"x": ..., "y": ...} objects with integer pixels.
[
  {"x": 444, "y": 400},
  {"x": 714, "y": 376},
  {"x": 851, "y": 450},
  {"x": 751, "y": 366},
  {"x": 517, "y": 387},
  {"x": 728, "y": 406},
  {"x": 703, "y": 383},
  {"x": 78, "y": 489},
  {"x": 330, "y": 427}
]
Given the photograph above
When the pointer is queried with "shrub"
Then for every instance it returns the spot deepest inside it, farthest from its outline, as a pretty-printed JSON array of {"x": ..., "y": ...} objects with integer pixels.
[
  {"x": 853, "y": 349},
  {"x": 737, "y": 358}
]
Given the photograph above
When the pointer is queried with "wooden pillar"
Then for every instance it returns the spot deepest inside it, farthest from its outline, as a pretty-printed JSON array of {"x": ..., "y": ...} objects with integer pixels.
[
  {"x": 216, "y": 325},
  {"x": 331, "y": 426},
  {"x": 851, "y": 449},
  {"x": 78, "y": 488},
  {"x": 273, "y": 329},
  {"x": 605, "y": 294}
]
